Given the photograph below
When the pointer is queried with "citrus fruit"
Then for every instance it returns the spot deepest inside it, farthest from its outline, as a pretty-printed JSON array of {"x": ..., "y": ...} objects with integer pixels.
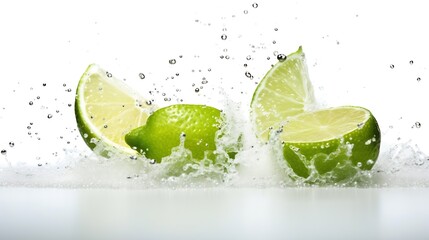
[
  {"x": 335, "y": 141},
  {"x": 195, "y": 126},
  {"x": 285, "y": 91},
  {"x": 106, "y": 109}
]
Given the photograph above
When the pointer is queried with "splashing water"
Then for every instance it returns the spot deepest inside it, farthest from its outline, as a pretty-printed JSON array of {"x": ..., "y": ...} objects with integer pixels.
[{"x": 44, "y": 148}]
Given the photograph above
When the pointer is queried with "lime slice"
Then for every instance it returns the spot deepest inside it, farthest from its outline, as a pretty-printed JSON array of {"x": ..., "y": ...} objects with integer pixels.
[
  {"x": 106, "y": 109},
  {"x": 166, "y": 128},
  {"x": 285, "y": 91},
  {"x": 335, "y": 142}
]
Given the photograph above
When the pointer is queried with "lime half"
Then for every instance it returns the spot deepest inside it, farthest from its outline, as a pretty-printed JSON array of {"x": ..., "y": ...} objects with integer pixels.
[
  {"x": 325, "y": 141},
  {"x": 106, "y": 109},
  {"x": 285, "y": 91}
]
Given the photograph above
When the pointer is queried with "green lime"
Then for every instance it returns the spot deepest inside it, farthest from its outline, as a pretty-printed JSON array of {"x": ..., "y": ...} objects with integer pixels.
[
  {"x": 106, "y": 109},
  {"x": 194, "y": 126},
  {"x": 285, "y": 91},
  {"x": 334, "y": 142}
]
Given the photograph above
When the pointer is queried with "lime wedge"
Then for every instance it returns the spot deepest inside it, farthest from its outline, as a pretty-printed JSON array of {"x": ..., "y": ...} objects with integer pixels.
[
  {"x": 106, "y": 109},
  {"x": 285, "y": 91},
  {"x": 328, "y": 141}
]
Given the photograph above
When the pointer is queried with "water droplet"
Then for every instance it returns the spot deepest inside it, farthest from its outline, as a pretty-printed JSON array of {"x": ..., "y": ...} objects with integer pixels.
[
  {"x": 274, "y": 42},
  {"x": 417, "y": 124},
  {"x": 255, "y": 5},
  {"x": 245, "y": 11},
  {"x": 209, "y": 70},
  {"x": 148, "y": 102},
  {"x": 105, "y": 126},
  {"x": 359, "y": 164},
  {"x": 11, "y": 144},
  {"x": 411, "y": 62},
  {"x": 108, "y": 74},
  {"x": 418, "y": 79},
  {"x": 49, "y": 116},
  {"x": 197, "y": 90},
  {"x": 226, "y": 56},
  {"x": 69, "y": 90},
  {"x": 172, "y": 61},
  {"x": 38, "y": 97},
  {"x": 133, "y": 157},
  {"x": 392, "y": 66},
  {"x": 3, "y": 151},
  {"x": 152, "y": 161},
  {"x": 281, "y": 57},
  {"x": 141, "y": 75},
  {"x": 30, "y": 103},
  {"x": 369, "y": 162},
  {"x": 177, "y": 74},
  {"x": 223, "y": 37},
  {"x": 85, "y": 135},
  {"x": 245, "y": 65},
  {"x": 69, "y": 104},
  {"x": 276, "y": 29},
  {"x": 44, "y": 84},
  {"x": 249, "y": 57},
  {"x": 39, "y": 164},
  {"x": 204, "y": 81},
  {"x": 248, "y": 74}
]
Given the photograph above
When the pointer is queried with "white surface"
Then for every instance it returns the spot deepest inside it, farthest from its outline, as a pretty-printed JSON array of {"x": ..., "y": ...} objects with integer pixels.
[{"x": 305, "y": 213}]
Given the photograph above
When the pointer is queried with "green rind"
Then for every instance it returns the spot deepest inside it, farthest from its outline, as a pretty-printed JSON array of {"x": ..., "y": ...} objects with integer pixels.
[
  {"x": 164, "y": 129},
  {"x": 360, "y": 153}
]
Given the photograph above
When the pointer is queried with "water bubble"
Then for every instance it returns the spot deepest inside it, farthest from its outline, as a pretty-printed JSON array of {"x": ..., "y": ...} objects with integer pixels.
[
  {"x": 204, "y": 81},
  {"x": 38, "y": 97},
  {"x": 44, "y": 84},
  {"x": 39, "y": 164},
  {"x": 392, "y": 66},
  {"x": 226, "y": 56},
  {"x": 11, "y": 144},
  {"x": 133, "y": 157},
  {"x": 49, "y": 116},
  {"x": 209, "y": 70},
  {"x": 85, "y": 135},
  {"x": 268, "y": 58},
  {"x": 245, "y": 11},
  {"x": 248, "y": 74},
  {"x": 109, "y": 75},
  {"x": 141, "y": 75},
  {"x": 245, "y": 65},
  {"x": 30, "y": 103},
  {"x": 152, "y": 161},
  {"x": 64, "y": 84},
  {"x": 3, "y": 151},
  {"x": 418, "y": 79},
  {"x": 369, "y": 162},
  {"x": 105, "y": 126},
  {"x": 411, "y": 62},
  {"x": 69, "y": 90},
  {"x": 359, "y": 164},
  {"x": 177, "y": 74},
  {"x": 69, "y": 104},
  {"x": 360, "y": 125},
  {"x": 197, "y": 90},
  {"x": 249, "y": 57},
  {"x": 148, "y": 102},
  {"x": 255, "y": 5},
  {"x": 281, "y": 57},
  {"x": 417, "y": 124},
  {"x": 172, "y": 61},
  {"x": 223, "y": 37}
]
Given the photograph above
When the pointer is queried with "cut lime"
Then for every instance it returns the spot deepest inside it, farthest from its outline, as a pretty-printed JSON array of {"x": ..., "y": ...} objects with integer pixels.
[
  {"x": 195, "y": 125},
  {"x": 335, "y": 141},
  {"x": 106, "y": 109},
  {"x": 285, "y": 91}
]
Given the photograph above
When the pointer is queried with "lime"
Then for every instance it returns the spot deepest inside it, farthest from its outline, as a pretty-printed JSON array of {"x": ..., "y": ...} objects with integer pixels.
[
  {"x": 106, "y": 109},
  {"x": 285, "y": 91},
  {"x": 194, "y": 126},
  {"x": 335, "y": 142}
]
